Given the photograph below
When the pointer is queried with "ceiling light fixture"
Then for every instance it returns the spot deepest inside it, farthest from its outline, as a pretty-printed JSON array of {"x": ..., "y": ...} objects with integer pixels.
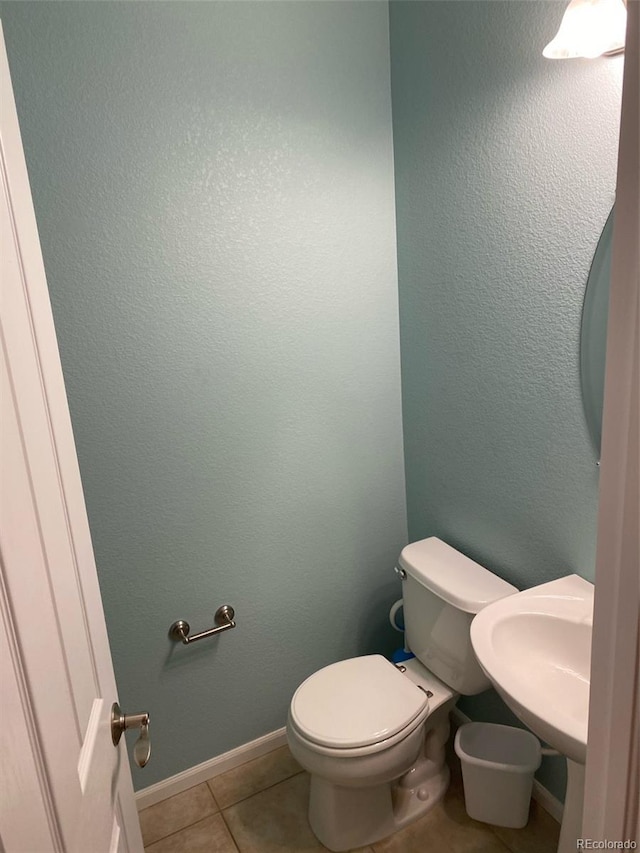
[{"x": 588, "y": 29}]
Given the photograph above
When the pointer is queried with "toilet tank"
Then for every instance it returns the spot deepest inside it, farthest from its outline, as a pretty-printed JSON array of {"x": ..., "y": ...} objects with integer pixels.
[{"x": 442, "y": 591}]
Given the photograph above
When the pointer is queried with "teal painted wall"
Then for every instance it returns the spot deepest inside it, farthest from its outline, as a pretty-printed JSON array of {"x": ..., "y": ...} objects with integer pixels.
[
  {"x": 214, "y": 189},
  {"x": 213, "y": 184},
  {"x": 505, "y": 172}
]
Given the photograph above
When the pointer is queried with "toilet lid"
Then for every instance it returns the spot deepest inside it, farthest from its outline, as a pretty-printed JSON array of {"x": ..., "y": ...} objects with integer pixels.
[{"x": 356, "y": 702}]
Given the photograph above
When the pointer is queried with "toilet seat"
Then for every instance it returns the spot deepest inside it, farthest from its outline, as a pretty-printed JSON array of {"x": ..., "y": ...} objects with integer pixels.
[
  {"x": 362, "y": 705},
  {"x": 359, "y": 751}
]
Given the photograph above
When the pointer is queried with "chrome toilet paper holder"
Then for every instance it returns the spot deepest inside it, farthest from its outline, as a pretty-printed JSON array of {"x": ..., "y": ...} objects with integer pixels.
[{"x": 224, "y": 621}]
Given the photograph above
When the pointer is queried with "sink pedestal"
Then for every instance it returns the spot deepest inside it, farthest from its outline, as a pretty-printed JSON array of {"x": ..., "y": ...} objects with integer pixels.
[{"x": 571, "y": 828}]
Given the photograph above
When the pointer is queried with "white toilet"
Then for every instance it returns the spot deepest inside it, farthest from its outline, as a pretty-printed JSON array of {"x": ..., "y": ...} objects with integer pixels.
[{"x": 371, "y": 734}]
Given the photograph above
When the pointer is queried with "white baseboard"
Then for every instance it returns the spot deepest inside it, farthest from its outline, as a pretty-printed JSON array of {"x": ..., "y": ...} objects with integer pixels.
[
  {"x": 540, "y": 794},
  {"x": 208, "y": 769},
  {"x": 549, "y": 803}
]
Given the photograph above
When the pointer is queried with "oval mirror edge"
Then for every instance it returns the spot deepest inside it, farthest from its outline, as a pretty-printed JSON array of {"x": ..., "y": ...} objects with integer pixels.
[{"x": 593, "y": 333}]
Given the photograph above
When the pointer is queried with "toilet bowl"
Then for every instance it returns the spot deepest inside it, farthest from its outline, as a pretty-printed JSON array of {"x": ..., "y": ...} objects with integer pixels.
[
  {"x": 371, "y": 734},
  {"x": 358, "y": 720},
  {"x": 389, "y": 727}
]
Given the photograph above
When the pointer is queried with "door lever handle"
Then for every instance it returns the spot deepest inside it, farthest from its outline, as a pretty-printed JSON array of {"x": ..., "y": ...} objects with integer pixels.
[{"x": 121, "y": 722}]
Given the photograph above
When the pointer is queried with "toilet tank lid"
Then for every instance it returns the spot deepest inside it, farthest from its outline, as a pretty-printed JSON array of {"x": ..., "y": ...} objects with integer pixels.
[{"x": 453, "y": 577}]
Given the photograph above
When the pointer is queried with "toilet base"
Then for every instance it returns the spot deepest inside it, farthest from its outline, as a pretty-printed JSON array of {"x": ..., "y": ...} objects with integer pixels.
[{"x": 345, "y": 818}]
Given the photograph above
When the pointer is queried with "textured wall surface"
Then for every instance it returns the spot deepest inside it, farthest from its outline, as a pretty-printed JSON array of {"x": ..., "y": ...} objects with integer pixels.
[
  {"x": 505, "y": 172},
  {"x": 213, "y": 184}
]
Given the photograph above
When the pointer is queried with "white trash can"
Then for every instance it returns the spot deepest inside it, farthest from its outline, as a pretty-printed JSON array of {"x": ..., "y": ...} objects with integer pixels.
[{"x": 498, "y": 763}]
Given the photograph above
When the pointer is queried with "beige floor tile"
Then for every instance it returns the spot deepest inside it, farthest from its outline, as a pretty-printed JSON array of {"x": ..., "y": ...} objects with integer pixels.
[
  {"x": 176, "y": 812},
  {"x": 254, "y": 776},
  {"x": 446, "y": 828},
  {"x": 266, "y": 812},
  {"x": 465, "y": 833},
  {"x": 203, "y": 837},
  {"x": 540, "y": 835},
  {"x": 418, "y": 837},
  {"x": 274, "y": 820}
]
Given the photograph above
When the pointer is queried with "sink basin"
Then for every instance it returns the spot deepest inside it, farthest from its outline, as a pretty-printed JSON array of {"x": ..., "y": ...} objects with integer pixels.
[{"x": 535, "y": 648}]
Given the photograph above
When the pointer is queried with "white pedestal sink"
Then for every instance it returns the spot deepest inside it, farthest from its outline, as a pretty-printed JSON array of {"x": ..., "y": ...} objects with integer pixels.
[{"x": 535, "y": 648}]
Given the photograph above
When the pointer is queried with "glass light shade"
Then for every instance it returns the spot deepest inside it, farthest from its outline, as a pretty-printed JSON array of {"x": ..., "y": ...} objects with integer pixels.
[{"x": 589, "y": 28}]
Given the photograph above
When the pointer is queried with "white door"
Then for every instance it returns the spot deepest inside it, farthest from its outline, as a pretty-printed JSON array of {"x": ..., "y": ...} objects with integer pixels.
[{"x": 65, "y": 787}]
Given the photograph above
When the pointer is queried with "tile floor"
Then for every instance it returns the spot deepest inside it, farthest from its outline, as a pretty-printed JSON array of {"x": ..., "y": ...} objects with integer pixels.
[{"x": 261, "y": 807}]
